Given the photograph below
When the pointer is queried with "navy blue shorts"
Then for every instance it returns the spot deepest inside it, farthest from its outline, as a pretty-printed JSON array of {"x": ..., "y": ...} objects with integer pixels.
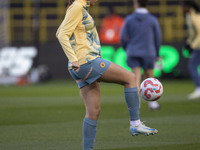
[
  {"x": 145, "y": 63},
  {"x": 90, "y": 71}
]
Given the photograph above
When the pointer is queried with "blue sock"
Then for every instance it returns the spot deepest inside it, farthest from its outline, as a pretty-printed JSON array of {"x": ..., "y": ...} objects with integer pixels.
[
  {"x": 89, "y": 133},
  {"x": 133, "y": 103}
]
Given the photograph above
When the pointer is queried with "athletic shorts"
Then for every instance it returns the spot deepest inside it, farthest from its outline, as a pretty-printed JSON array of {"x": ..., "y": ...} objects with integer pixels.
[
  {"x": 145, "y": 63},
  {"x": 90, "y": 71}
]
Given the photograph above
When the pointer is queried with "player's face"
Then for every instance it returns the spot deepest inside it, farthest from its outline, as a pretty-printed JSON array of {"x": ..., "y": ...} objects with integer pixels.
[
  {"x": 186, "y": 9},
  {"x": 92, "y": 2}
]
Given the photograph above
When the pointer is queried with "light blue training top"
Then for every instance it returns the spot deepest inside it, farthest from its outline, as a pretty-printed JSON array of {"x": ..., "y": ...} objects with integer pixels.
[{"x": 141, "y": 34}]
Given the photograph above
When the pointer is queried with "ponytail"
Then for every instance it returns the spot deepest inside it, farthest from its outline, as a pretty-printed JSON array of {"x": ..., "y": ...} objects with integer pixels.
[
  {"x": 70, "y": 2},
  {"x": 191, "y": 4}
]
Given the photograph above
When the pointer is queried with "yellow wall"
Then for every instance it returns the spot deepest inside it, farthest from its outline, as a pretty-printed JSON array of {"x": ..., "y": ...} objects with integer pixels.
[{"x": 169, "y": 15}]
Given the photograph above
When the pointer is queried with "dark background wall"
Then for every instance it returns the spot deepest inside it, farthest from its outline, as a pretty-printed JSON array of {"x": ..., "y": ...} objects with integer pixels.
[{"x": 52, "y": 55}]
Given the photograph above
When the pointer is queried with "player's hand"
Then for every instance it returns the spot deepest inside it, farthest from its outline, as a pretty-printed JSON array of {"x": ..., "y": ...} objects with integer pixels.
[
  {"x": 75, "y": 66},
  {"x": 188, "y": 47},
  {"x": 158, "y": 58},
  {"x": 159, "y": 63}
]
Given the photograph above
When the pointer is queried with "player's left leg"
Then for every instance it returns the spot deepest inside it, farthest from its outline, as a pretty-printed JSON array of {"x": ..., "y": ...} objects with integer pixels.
[
  {"x": 194, "y": 62},
  {"x": 117, "y": 74},
  {"x": 137, "y": 72},
  {"x": 148, "y": 73}
]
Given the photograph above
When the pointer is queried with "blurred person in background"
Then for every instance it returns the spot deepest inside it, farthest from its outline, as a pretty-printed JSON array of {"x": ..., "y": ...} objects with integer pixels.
[
  {"x": 79, "y": 39},
  {"x": 192, "y": 17},
  {"x": 111, "y": 27},
  {"x": 141, "y": 38}
]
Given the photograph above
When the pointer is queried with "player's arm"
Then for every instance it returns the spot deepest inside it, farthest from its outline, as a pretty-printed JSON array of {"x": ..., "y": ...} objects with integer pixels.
[
  {"x": 196, "y": 42},
  {"x": 66, "y": 29},
  {"x": 191, "y": 32},
  {"x": 124, "y": 35},
  {"x": 157, "y": 36}
]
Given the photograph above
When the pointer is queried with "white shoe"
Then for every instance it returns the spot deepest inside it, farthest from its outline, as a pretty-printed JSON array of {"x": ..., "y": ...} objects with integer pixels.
[
  {"x": 142, "y": 129},
  {"x": 194, "y": 95},
  {"x": 154, "y": 105}
]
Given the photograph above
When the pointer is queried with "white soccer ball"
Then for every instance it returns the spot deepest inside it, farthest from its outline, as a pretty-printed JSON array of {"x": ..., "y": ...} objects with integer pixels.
[{"x": 151, "y": 89}]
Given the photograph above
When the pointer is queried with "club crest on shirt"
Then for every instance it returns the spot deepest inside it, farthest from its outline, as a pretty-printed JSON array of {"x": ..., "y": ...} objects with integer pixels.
[{"x": 102, "y": 65}]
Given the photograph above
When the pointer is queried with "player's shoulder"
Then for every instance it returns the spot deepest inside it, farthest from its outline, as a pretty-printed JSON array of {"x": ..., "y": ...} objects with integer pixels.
[
  {"x": 76, "y": 5},
  {"x": 130, "y": 17},
  {"x": 152, "y": 16},
  {"x": 153, "y": 19}
]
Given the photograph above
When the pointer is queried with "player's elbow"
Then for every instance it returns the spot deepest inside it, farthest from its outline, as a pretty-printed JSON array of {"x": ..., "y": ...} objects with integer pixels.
[{"x": 58, "y": 35}]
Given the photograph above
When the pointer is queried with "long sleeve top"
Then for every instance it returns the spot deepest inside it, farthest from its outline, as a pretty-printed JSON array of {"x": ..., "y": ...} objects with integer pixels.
[
  {"x": 77, "y": 34},
  {"x": 141, "y": 34},
  {"x": 193, "y": 24}
]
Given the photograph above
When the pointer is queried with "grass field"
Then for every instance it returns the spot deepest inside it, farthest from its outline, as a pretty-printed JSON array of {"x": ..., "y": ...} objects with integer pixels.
[{"x": 49, "y": 117}]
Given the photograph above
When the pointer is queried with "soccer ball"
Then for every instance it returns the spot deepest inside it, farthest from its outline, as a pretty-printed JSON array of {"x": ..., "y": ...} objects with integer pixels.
[{"x": 151, "y": 89}]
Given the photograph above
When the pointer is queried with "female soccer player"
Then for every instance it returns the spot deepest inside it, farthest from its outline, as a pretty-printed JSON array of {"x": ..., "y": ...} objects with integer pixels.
[
  {"x": 141, "y": 38},
  {"x": 192, "y": 14},
  {"x": 78, "y": 37}
]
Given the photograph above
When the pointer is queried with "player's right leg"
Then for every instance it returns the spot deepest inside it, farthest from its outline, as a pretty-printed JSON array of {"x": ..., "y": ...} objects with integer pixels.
[
  {"x": 91, "y": 97},
  {"x": 90, "y": 92},
  {"x": 117, "y": 74}
]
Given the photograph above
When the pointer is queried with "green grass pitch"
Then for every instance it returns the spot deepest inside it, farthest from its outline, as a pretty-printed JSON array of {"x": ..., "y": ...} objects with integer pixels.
[{"x": 49, "y": 117}]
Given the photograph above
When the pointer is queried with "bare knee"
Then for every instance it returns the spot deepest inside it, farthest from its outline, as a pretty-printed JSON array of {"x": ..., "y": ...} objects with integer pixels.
[
  {"x": 130, "y": 80},
  {"x": 93, "y": 113}
]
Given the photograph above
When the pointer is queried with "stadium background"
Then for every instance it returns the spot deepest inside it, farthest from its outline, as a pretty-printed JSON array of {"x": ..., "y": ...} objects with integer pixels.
[{"x": 34, "y": 23}]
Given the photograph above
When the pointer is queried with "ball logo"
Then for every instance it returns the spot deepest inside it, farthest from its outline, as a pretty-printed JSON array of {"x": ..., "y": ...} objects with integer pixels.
[{"x": 102, "y": 65}]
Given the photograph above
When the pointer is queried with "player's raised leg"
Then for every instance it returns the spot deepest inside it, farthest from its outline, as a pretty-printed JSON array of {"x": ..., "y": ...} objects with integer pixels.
[{"x": 117, "y": 74}]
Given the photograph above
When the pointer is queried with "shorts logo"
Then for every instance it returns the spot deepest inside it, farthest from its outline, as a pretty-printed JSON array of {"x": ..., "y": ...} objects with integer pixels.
[{"x": 102, "y": 65}]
